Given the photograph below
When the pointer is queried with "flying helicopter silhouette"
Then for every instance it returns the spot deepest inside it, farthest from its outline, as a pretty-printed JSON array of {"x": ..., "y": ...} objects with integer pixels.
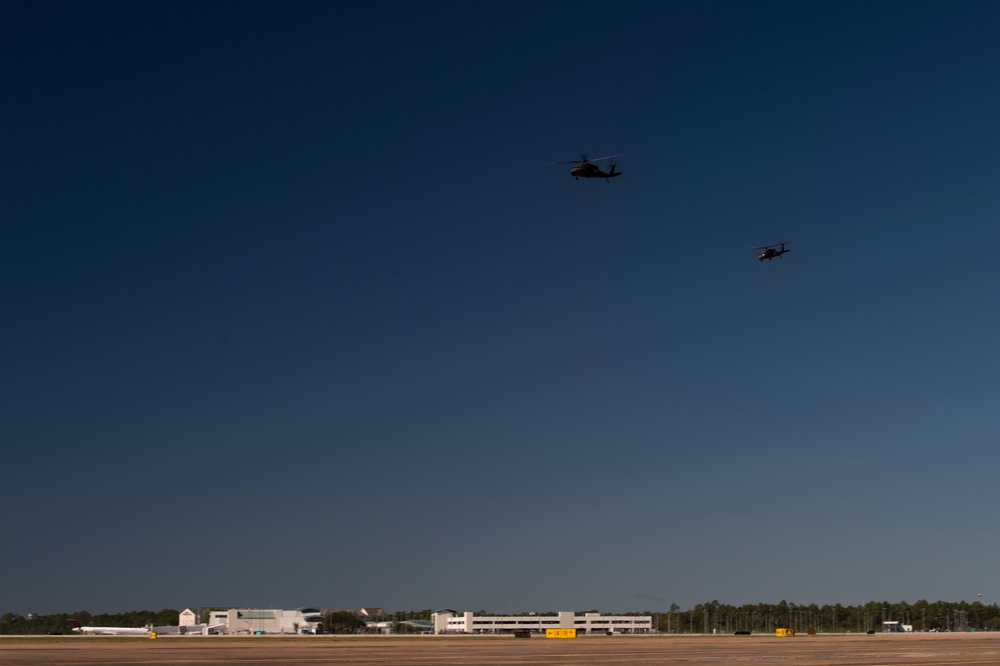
[
  {"x": 585, "y": 168},
  {"x": 769, "y": 252}
]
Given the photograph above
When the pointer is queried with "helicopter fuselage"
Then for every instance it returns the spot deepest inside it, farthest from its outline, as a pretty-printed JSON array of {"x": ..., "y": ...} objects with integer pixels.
[
  {"x": 588, "y": 170},
  {"x": 771, "y": 253}
]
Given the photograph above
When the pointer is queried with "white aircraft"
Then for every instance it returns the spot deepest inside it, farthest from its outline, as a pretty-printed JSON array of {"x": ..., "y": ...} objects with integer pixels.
[{"x": 109, "y": 631}]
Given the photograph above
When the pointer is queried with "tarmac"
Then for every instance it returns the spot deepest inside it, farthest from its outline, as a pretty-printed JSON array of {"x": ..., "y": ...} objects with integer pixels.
[{"x": 757, "y": 650}]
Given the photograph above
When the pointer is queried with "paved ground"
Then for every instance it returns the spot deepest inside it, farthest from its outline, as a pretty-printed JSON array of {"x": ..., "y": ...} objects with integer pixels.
[{"x": 848, "y": 650}]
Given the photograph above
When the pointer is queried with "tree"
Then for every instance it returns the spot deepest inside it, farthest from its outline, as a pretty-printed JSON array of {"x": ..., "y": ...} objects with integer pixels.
[{"x": 343, "y": 622}]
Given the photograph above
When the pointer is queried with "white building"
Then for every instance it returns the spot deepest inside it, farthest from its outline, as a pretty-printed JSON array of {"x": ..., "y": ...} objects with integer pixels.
[
  {"x": 266, "y": 620},
  {"x": 448, "y": 621},
  {"x": 895, "y": 626}
]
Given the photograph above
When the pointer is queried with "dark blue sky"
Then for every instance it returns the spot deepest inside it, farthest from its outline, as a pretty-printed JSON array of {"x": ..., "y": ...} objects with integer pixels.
[{"x": 295, "y": 312}]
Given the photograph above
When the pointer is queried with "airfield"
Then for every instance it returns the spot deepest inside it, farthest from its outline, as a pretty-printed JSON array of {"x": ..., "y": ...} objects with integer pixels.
[{"x": 820, "y": 650}]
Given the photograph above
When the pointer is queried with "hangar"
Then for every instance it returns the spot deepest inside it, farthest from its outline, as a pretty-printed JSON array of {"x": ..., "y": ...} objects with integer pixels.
[{"x": 266, "y": 620}]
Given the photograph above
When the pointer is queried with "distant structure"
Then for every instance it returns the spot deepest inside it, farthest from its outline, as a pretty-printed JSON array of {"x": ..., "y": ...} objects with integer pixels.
[
  {"x": 265, "y": 621},
  {"x": 449, "y": 621},
  {"x": 892, "y": 626},
  {"x": 363, "y": 613}
]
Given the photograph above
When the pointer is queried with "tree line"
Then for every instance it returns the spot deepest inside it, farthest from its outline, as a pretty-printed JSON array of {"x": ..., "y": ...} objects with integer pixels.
[
  {"x": 59, "y": 623},
  {"x": 711, "y": 617},
  {"x": 714, "y": 617}
]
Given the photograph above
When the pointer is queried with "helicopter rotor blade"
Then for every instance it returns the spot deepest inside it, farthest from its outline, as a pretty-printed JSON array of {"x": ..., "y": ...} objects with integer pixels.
[
  {"x": 584, "y": 159},
  {"x": 765, "y": 247}
]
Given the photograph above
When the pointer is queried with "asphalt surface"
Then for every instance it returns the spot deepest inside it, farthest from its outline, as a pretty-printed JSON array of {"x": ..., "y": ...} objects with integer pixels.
[{"x": 757, "y": 650}]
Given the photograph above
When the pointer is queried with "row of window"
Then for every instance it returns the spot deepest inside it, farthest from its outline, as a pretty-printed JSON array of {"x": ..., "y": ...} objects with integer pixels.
[
  {"x": 535, "y": 623},
  {"x": 613, "y": 622}
]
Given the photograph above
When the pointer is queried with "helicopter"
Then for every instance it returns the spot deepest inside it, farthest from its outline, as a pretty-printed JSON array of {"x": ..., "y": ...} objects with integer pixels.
[
  {"x": 769, "y": 252},
  {"x": 585, "y": 168}
]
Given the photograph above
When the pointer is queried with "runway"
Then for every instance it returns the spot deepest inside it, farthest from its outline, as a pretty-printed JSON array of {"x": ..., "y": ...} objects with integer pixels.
[{"x": 835, "y": 650}]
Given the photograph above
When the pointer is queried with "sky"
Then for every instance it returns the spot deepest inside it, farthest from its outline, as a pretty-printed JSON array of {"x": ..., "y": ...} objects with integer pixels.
[{"x": 295, "y": 312}]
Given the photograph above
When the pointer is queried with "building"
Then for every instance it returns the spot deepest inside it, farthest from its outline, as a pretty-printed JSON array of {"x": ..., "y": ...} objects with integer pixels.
[
  {"x": 895, "y": 626},
  {"x": 266, "y": 620},
  {"x": 448, "y": 621}
]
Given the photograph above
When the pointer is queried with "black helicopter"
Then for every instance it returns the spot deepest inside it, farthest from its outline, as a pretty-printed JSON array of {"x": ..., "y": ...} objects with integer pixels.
[
  {"x": 585, "y": 168},
  {"x": 769, "y": 252}
]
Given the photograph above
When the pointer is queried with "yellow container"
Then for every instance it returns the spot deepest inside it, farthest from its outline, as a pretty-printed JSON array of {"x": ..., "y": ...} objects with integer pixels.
[
  {"x": 784, "y": 632},
  {"x": 152, "y": 634}
]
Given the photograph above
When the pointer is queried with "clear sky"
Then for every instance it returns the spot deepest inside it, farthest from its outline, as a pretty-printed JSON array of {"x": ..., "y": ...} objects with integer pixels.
[{"x": 294, "y": 312}]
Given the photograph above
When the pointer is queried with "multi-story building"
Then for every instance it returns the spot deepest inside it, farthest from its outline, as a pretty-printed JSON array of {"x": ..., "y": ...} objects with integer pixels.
[{"x": 448, "y": 621}]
